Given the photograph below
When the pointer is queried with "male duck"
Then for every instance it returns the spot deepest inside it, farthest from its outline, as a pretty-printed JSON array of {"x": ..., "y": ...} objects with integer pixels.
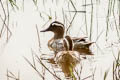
[{"x": 56, "y": 43}]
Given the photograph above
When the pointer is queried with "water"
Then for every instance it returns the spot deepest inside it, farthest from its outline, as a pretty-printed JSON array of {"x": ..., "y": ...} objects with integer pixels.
[{"x": 24, "y": 39}]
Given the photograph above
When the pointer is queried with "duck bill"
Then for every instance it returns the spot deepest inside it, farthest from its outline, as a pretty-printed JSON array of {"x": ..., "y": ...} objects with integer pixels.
[{"x": 45, "y": 30}]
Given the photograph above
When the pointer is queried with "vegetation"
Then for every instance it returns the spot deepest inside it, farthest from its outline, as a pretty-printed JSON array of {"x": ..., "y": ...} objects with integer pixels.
[{"x": 83, "y": 19}]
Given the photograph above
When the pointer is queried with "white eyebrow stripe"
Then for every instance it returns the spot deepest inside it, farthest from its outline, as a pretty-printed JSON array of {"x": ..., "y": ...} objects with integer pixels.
[{"x": 57, "y": 24}]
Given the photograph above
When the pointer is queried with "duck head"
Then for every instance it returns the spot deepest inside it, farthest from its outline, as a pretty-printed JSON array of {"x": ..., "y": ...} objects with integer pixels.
[{"x": 57, "y": 28}]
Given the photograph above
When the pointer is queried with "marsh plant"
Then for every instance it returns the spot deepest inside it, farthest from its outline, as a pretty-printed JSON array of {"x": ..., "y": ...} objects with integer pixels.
[{"x": 98, "y": 21}]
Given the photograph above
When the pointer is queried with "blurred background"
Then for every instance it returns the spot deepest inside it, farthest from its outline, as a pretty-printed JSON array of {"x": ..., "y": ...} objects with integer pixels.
[{"x": 21, "y": 39}]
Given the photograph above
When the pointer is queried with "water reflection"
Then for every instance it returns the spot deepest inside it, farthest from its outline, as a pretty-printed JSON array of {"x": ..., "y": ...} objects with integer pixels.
[{"x": 70, "y": 55}]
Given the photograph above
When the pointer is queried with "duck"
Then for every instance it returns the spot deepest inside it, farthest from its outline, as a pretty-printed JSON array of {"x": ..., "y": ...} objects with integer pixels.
[{"x": 56, "y": 43}]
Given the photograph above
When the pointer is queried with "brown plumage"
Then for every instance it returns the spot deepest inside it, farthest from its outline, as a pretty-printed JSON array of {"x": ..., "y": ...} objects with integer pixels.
[
  {"x": 56, "y": 43},
  {"x": 83, "y": 48}
]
